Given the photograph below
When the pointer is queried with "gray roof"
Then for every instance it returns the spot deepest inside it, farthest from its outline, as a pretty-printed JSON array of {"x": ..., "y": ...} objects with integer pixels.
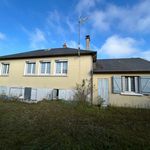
[
  {"x": 48, "y": 53},
  {"x": 124, "y": 65}
]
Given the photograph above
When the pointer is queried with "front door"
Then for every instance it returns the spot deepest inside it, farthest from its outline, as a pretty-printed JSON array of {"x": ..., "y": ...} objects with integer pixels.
[{"x": 103, "y": 90}]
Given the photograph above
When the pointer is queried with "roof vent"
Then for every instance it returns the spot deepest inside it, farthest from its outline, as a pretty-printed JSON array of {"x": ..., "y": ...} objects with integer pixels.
[
  {"x": 65, "y": 45},
  {"x": 48, "y": 49}
]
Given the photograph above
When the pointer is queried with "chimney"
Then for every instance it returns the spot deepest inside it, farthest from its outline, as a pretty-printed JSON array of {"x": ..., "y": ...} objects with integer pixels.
[
  {"x": 87, "y": 38},
  {"x": 65, "y": 45}
]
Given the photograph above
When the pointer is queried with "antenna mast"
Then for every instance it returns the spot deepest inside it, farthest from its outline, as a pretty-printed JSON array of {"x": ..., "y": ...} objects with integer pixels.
[
  {"x": 79, "y": 24},
  {"x": 81, "y": 21}
]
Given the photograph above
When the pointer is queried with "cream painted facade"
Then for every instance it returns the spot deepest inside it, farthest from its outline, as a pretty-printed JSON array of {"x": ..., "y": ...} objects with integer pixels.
[
  {"x": 141, "y": 101},
  {"x": 14, "y": 84},
  {"x": 79, "y": 68}
]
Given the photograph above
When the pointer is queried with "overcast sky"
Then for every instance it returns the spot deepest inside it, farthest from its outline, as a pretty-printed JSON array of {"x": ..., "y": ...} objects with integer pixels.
[{"x": 118, "y": 28}]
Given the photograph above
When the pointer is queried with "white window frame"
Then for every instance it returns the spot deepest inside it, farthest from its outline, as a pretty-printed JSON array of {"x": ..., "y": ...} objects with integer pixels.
[
  {"x": 7, "y": 69},
  {"x": 129, "y": 84},
  {"x": 43, "y": 61},
  {"x": 61, "y": 74},
  {"x": 26, "y": 65}
]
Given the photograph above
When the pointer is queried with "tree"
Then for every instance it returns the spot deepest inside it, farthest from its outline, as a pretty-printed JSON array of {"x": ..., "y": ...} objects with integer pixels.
[{"x": 83, "y": 91}]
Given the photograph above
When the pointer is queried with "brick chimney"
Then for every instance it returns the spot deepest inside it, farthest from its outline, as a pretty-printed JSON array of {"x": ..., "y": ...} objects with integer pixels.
[
  {"x": 65, "y": 45},
  {"x": 87, "y": 38}
]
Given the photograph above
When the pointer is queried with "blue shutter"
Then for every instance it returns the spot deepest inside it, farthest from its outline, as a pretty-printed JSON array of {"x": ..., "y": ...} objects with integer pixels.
[
  {"x": 145, "y": 84},
  {"x": 116, "y": 84}
]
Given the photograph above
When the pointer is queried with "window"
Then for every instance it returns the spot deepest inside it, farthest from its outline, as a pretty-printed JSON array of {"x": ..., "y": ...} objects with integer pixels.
[
  {"x": 5, "y": 69},
  {"x": 30, "y": 68},
  {"x": 45, "y": 68},
  {"x": 61, "y": 67},
  {"x": 130, "y": 84}
]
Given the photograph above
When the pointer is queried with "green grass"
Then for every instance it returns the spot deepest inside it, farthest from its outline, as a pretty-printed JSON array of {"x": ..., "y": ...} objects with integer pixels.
[{"x": 61, "y": 125}]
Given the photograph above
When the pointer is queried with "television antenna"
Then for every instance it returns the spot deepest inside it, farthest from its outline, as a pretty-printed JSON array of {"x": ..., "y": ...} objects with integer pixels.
[{"x": 80, "y": 22}]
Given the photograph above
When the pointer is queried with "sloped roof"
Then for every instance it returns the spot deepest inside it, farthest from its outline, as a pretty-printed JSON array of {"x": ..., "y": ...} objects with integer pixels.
[
  {"x": 48, "y": 53},
  {"x": 128, "y": 65}
]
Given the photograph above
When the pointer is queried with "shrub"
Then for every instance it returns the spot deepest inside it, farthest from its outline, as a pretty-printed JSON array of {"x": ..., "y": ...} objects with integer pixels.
[
  {"x": 83, "y": 91},
  {"x": 100, "y": 101}
]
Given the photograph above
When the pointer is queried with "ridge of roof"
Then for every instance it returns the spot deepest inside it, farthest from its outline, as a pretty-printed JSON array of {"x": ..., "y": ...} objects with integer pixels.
[
  {"x": 48, "y": 53},
  {"x": 121, "y": 59}
]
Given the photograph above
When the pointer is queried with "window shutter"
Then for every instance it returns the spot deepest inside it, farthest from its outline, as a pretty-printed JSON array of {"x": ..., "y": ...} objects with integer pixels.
[
  {"x": 136, "y": 79},
  {"x": 123, "y": 84},
  {"x": 116, "y": 86},
  {"x": 145, "y": 84}
]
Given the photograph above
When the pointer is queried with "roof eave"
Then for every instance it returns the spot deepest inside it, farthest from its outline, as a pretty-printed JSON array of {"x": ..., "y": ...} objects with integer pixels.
[
  {"x": 46, "y": 56},
  {"x": 118, "y": 72}
]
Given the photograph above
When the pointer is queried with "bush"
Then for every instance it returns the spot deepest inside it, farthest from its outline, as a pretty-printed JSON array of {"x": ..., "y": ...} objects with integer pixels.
[
  {"x": 83, "y": 91},
  {"x": 100, "y": 101},
  {"x": 3, "y": 97},
  {"x": 10, "y": 98}
]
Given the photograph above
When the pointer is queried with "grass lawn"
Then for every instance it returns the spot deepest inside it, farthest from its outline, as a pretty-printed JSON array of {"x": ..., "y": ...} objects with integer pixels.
[{"x": 61, "y": 125}]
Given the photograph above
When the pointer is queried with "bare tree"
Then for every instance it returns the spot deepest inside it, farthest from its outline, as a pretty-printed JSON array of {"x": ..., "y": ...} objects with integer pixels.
[{"x": 83, "y": 91}]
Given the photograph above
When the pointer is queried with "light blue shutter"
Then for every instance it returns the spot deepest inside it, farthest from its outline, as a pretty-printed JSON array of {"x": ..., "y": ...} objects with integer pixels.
[
  {"x": 116, "y": 86},
  {"x": 145, "y": 84}
]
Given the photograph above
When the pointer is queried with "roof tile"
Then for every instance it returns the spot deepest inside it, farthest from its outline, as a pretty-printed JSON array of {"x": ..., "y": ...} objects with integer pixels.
[{"x": 122, "y": 65}]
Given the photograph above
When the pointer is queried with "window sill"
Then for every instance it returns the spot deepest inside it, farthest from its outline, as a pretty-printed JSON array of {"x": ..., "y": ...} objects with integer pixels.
[
  {"x": 42, "y": 75},
  {"x": 60, "y": 75},
  {"x": 30, "y": 75},
  {"x": 4, "y": 75},
  {"x": 131, "y": 94}
]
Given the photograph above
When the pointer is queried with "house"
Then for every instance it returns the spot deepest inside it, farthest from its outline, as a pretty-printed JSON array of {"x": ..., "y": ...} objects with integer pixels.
[
  {"x": 123, "y": 82},
  {"x": 48, "y": 73},
  {"x": 54, "y": 73}
]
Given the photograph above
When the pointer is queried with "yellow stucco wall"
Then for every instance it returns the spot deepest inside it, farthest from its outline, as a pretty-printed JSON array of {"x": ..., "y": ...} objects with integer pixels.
[
  {"x": 118, "y": 99},
  {"x": 78, "y": 68}
]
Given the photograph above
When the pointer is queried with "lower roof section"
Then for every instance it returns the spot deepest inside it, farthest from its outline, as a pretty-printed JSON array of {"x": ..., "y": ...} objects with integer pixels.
[{"x": 124, "y": 65}]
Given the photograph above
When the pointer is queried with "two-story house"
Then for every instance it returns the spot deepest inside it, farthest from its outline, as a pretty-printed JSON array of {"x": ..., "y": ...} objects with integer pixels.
[{"x": 54, "y": 73}]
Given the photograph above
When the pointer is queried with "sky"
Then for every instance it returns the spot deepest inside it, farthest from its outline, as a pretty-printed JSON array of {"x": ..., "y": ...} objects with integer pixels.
[{"x": 118, "y": 28}]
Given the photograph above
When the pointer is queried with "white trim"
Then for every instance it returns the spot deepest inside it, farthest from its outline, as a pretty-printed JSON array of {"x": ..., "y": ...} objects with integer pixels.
[
  {"x": 57, "y": 60},
  {"x": 136, "y": 84},
  {"x": 44, "y": 60},
  {"x": 60, "y": 74},
  {"x": 7, "y": 68},
  {"x": 129, "y": 84},
  {"x": 0, "y": 68},
  {"x": 39, "y": 68},
  {"x": 30, "y": 61},
  {"x": 25, "y": 68},
  {"x": 123, "y": 83},
  {"x": 131, "y": 93},
  {"x": 51, "y": 75}
]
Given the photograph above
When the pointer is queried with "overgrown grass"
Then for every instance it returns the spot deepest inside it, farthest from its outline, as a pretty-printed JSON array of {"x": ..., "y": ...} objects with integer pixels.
[{"x": 63, "y": 125}]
